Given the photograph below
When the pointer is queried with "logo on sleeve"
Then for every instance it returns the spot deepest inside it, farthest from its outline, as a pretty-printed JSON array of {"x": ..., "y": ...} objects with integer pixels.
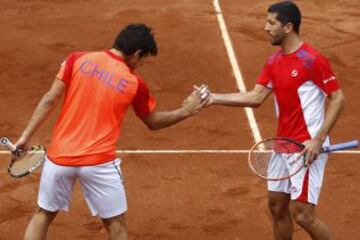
[{"x": 332, "y": 78}]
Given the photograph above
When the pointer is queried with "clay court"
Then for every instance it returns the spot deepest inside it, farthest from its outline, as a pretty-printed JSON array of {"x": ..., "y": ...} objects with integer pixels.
[{"x": 177, "y": 196}]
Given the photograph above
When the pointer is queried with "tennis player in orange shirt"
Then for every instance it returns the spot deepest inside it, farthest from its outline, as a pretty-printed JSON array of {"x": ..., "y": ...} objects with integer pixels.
[{"x": 98, "y": 88}]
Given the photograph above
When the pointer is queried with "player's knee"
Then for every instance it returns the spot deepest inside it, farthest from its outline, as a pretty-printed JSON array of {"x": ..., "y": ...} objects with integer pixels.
[
  {"x": 116, "y": 230},
  {"x": 277, "y": 208},
  {"x": 115, "y": 225},
  {"x": 304, "y": 219}
]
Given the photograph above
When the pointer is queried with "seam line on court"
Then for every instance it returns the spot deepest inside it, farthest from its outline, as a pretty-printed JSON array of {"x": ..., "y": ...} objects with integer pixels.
[
  {"x": 235, "y": 66},
  {"x": 204, "y": 151}
]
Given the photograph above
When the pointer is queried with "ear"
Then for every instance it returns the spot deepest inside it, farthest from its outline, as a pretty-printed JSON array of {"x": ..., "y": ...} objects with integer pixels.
[{"x": 288, "y": 27}]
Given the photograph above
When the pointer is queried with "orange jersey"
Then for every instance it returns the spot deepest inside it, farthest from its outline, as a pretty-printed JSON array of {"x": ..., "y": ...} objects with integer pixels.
[{"x": 99, "y": 90}]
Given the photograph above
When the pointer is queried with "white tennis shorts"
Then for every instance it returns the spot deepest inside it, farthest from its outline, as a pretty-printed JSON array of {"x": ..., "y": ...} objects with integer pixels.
[
  {"x": 102, "y": 186},
  {"x": 304, "y": 186}
]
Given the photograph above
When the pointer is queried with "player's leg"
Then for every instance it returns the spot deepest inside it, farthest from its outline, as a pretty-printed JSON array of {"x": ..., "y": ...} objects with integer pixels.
[
  {"x": 304, "y": 215},
  {"x": 104, "y": 193},
  {"x": 279, "y": 207},
  {"x": 116, "y": 227},
  {"x": 55, "y": 189},
  {"x": 39, "y": 223},
  {"x": 305, "y": 194},
  {"x": 279, "y": 198}
]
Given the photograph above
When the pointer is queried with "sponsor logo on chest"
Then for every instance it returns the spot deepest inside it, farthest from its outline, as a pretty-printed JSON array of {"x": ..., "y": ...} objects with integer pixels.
[{"x": 294, "y": 73}]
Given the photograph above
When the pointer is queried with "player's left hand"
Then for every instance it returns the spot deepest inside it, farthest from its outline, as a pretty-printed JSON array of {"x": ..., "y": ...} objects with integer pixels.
[{"x": 311, "y": 150}]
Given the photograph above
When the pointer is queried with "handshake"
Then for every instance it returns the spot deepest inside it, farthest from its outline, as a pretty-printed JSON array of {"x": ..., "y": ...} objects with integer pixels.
[{"x": 200, "y": 98}]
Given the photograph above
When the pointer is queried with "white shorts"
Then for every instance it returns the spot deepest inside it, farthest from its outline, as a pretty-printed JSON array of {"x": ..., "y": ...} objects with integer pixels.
[
  {"x": 304, "y": 186},
  {"x": 102, "y": 186}
]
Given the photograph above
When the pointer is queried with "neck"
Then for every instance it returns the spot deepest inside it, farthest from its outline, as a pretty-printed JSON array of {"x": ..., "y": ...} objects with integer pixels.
[
  {"x": 120, "y": 54},
  {"x": 291, "y": 44}
]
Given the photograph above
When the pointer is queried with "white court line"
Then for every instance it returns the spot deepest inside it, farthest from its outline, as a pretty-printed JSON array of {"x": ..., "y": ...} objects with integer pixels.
[
  {"x": 204, "y": 151},
  {"x": 235, "y": 66}
]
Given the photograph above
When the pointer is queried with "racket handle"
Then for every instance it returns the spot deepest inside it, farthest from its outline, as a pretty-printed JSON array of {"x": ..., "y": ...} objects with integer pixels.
[
  {"x": 341, "y": 146},
  {"x": 6, "y": 143}
]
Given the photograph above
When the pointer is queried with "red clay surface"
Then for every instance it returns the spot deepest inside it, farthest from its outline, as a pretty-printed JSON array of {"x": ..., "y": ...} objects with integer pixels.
[{"x": 183, "y": 196}]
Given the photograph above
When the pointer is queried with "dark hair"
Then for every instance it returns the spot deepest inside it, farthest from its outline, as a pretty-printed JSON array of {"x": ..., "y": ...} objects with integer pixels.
[
  {"x": 136, "y": 37},
  {"x": 287, "y": 12}
]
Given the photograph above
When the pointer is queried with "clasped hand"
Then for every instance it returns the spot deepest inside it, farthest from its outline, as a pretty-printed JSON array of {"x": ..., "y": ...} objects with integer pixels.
[{"x": 197, "y": 100}]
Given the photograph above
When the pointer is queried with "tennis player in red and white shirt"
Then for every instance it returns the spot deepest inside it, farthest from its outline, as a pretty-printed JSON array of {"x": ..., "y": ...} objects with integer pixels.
[
  {"x": 301, "y": 79},
  {"x": 97, "y": 89}
]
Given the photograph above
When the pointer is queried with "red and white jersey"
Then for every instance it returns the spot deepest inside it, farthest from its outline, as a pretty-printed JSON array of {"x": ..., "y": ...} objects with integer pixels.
[{"x": 300, "y": 81}]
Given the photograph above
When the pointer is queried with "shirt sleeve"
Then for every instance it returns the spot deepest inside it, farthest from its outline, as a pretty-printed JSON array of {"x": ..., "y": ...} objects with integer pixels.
[
  {"x": 66, "y": 68},
  {"x": 323, "y": 75},
  {"x": 265, "y": 76},
  {"x": 143, "y": 102}
]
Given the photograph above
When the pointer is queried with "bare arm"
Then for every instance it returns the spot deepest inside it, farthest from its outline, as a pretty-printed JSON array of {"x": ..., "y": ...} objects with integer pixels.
[
  {"x": 191, "y": 106},
  {"x": 158, "y": 120},
  {"x": 335, "y": 107},
  {"x": 254, "y": 98},
  {"x": 42, "y": 111}
]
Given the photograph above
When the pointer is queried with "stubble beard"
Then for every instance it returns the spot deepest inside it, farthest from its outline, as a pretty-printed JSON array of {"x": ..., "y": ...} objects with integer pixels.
[{"x": 278, "y": 39}]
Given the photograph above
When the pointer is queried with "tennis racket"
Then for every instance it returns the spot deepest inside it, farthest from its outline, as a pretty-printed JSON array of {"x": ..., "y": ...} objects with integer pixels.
[
  {"x": 279, "y": 158},
  {"x": 23, "y": 161}
]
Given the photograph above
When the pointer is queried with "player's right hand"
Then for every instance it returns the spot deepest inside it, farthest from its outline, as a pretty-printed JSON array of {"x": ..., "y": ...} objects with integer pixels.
[
  {"x": 206, "y": 94},
  {"x": 196, "y": 101},
  {"x": 22, "y": 143}
]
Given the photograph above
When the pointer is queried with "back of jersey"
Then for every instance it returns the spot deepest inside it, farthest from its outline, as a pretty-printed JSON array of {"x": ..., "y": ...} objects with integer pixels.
[{"x": 100, "y": 88}]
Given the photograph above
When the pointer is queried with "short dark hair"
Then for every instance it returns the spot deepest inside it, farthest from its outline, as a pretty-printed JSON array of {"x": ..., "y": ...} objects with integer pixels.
[
  {"x": 287, "y": 12},
  {"x": 136, "y": 37}
]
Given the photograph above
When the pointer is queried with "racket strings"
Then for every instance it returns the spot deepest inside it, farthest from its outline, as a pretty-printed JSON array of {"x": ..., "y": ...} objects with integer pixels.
[
  {"x": 273, "y": 159},
  {"x": 260, "y": 158},
  {"x": 24, "y": 162}
]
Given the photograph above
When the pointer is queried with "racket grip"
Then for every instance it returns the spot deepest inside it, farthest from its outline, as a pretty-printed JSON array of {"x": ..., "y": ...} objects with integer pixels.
[
  {"x": 6, "y": 143},
  {"x": 341, "y": 146}
]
